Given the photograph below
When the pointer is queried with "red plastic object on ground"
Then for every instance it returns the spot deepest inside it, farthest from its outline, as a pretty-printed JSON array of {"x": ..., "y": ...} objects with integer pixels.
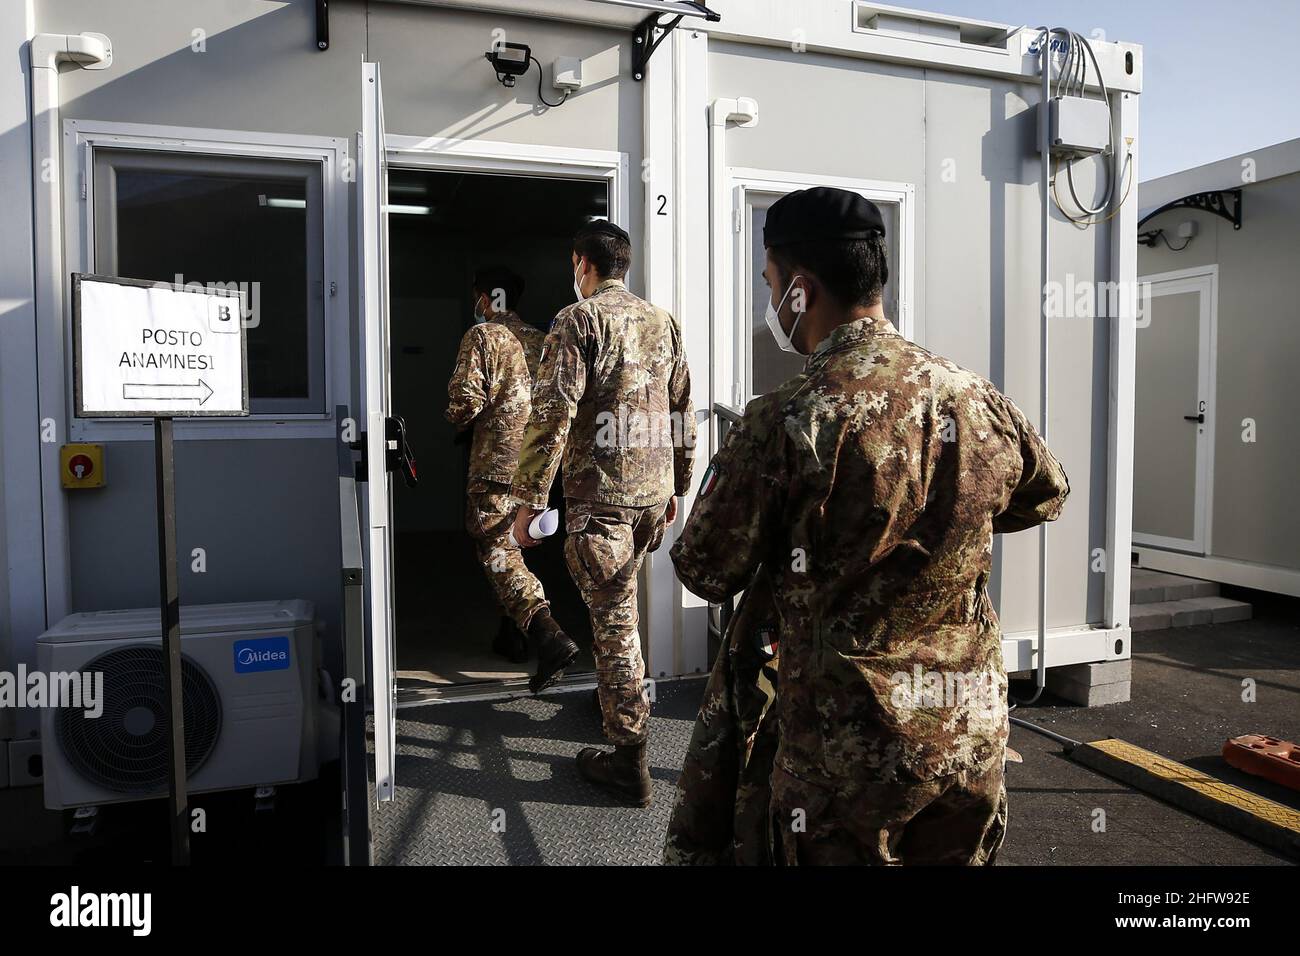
[{"x": 1267, "y": 757}]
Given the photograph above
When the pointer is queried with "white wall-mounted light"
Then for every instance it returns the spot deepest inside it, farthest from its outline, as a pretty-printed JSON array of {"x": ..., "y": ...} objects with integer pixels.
[{"x": 276, "y": 202}]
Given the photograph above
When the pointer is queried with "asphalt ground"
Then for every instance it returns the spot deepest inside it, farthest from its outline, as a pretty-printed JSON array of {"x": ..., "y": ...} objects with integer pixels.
[{"x": 1187, "y": 699}]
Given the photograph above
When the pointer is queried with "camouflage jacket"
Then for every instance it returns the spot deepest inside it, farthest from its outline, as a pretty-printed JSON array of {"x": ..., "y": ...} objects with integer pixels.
[
  {"x": 871, "y": 486},
  {"x": 530, "y": 339},
  {"x": 613, "y": 396},
  {"x": 489, "y": 390},
  {"x": 720, "y": 814}
]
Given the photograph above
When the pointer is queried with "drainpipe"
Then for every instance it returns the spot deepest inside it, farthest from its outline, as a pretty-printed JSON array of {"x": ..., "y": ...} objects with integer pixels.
[
  {"x": 47, "y": 53},
  {"x": 744, "y": 112},
  {"x": 1045, "y": 170},
  {"x": 1044, "y": 371}
]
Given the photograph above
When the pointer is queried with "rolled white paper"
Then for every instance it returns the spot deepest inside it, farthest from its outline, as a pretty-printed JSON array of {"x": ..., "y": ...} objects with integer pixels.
[{"x": 542, "y": 526}]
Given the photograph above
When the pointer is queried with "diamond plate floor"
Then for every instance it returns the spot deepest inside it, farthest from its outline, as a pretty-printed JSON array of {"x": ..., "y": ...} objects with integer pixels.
[
  {"x": 458, "y": 763},
  {"x": 493, "y": 782}
]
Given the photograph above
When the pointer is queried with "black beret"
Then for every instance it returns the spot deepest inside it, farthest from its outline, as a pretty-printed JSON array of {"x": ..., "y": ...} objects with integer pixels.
[
  {"x": 822, "y": 212},
  {"x": 602, "y": 227}
]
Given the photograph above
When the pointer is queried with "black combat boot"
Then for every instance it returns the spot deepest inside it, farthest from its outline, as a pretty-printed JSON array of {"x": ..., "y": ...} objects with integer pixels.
[
  {"x": 510, "y": 642},
  {"x": 555, "y": 651},
  {"x": 625, "y": 772}
]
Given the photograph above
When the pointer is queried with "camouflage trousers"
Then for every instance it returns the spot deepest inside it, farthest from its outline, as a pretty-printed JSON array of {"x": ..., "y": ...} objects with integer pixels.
[
  {"x": 721, "y": 813},
  {"x": 604, "y": 550},
  {"x": 959, "y": 819},
  {"x": 488, "y": 518}
]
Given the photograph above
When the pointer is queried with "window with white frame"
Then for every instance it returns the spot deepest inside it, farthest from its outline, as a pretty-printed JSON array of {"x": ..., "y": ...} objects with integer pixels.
[
  {"x": 764, "y": 366},
  {"x": 236, "y": 222}
]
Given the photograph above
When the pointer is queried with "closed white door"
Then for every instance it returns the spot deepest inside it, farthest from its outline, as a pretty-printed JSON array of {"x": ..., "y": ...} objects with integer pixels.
[{"x": 1174, "y": 417}]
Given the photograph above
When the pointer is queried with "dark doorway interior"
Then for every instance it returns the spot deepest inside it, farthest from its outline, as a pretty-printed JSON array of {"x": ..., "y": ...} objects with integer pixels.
[{"x": 442, "y": 227}]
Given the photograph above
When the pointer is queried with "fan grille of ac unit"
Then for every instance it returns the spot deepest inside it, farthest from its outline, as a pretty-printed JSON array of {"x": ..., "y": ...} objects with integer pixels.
[{"x": 125, "y": 748}]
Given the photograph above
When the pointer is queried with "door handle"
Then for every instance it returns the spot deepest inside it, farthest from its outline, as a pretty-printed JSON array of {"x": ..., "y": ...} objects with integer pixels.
[
  {"x": 1195, "y": 418},
  {"x": 399, "y": 456}
]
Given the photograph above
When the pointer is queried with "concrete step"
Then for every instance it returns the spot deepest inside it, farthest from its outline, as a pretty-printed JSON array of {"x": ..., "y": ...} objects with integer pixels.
[
  {"x": 1211, "y": 609},
  {"x": 1153, "y": 587}
]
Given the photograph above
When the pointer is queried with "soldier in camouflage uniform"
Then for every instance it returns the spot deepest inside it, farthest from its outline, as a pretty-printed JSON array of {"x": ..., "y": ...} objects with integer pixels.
[
  {"x": 870, "y": 488},
  {"x": 530, "y": 339},
  {"x": 612, "y": 397},
  {"x": 490, "y": 391}
]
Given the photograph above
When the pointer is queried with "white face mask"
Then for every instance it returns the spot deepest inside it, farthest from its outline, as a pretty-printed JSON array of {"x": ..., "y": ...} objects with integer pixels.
[
  {"x": 785, "y": 342},
  {"x": 577, "y": 282},
  {"x": 479, "y": 316}
]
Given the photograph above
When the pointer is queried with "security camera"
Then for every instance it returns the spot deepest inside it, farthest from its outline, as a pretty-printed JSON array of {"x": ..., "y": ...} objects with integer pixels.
[{"x": 509, "y": 60}]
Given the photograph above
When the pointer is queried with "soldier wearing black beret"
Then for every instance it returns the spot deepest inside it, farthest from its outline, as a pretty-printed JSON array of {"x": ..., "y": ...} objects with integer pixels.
[{"x": 862, "y": 495}]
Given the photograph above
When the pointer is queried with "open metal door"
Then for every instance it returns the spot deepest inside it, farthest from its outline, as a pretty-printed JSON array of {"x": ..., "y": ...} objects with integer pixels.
[{"x": 372, "y": 185}]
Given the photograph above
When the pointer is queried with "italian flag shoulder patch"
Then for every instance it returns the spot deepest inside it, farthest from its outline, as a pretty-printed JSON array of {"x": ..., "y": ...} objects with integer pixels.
[{"x": 710, "y": 480}]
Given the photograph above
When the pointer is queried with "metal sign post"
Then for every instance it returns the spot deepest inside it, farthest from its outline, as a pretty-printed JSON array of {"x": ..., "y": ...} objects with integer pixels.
[
  {"x": 144, "y": 350},
  {"x": 170, "y": 603}
]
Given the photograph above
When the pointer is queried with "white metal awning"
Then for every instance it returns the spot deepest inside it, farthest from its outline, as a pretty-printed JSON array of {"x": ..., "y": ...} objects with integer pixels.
[{"x": 665, "y": 7}]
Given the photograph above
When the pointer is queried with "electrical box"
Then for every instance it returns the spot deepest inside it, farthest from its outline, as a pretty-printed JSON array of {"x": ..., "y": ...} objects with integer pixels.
[
  {"x": 1077, "y": 126},
  {"x": 82, "y": 466},
  {"x": 566, "y": 73}
]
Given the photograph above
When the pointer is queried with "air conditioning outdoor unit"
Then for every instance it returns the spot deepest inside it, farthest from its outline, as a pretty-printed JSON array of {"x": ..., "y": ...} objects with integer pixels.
[{"x": 253, "y": 708}]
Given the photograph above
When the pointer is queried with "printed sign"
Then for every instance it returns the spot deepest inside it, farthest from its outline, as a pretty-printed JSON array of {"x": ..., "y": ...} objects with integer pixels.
[
  {"x": 261, "y": 654},
  {"x": 149, "y": 349}
]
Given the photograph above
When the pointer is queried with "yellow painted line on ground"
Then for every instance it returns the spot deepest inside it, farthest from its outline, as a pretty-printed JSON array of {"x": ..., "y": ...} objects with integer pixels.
[
  {"x": 1245, "y": 813},
  {"x": 1202, "y": 784}
]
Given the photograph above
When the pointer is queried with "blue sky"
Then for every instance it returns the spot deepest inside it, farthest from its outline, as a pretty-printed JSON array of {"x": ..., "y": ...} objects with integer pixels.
[{"x": 1220, "y": 77}]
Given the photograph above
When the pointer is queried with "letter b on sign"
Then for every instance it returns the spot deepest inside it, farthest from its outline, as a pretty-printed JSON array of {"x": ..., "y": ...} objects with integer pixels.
[{"x": 223, "y": 314}]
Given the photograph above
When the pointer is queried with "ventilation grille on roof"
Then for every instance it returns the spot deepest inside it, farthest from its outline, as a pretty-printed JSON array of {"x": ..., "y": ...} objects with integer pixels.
[{"x": 918, "y": 25}]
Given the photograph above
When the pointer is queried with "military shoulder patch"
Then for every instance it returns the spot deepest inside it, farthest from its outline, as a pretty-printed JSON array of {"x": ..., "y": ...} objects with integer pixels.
[
  {"x": 766, "y": 641},
  {"x": 710, "y": 480}
]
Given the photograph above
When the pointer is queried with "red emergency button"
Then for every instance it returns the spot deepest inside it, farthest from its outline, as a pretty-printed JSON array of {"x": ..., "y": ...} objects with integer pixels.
[{"x": 81, "y": 466}]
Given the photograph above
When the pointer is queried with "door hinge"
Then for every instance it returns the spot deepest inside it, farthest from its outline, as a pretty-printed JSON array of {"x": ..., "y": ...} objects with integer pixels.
[
  {"x": 334, "y": 289},
  {"x": 735, "y": 221},
  {"x": 81, "y": 179}
]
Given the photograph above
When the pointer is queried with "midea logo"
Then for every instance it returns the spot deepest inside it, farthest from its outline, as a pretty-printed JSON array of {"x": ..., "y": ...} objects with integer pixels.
[
  {"x": 261, "y": 654},
  {"x": 250, "y": 656}
]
